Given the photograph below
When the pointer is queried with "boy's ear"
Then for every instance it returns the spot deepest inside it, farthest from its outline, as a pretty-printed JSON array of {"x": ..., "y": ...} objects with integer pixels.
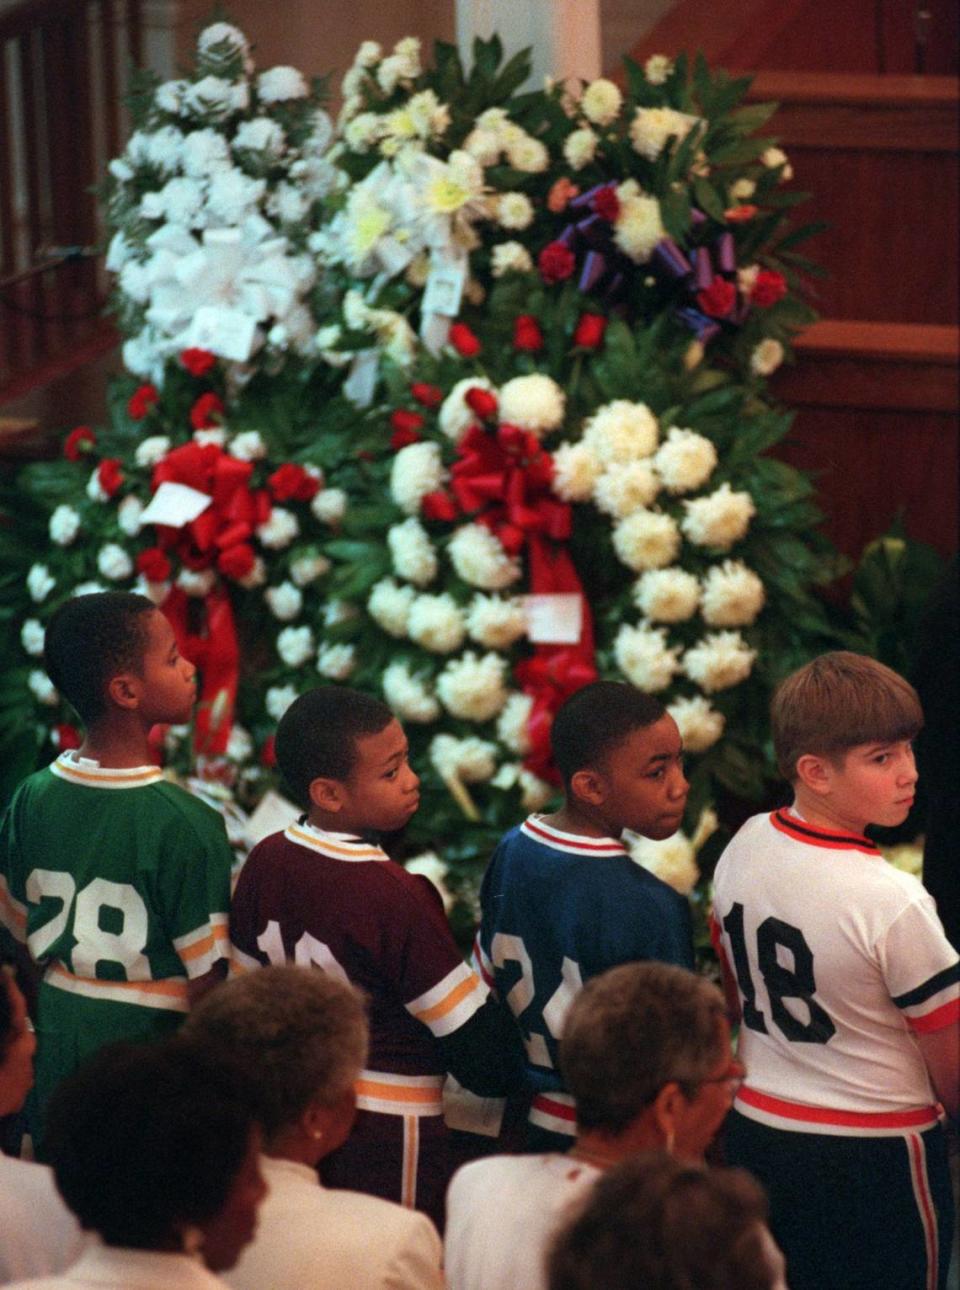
[
  {"x": 589, "y": 786},
  {"x": 327, "y": 794},
  {"x": 815, "y": 773},
  {"x": 123, "y": 690}
]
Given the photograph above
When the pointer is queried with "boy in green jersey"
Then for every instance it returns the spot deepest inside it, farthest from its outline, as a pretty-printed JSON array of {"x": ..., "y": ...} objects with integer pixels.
[{"x": 114, "y": 882}]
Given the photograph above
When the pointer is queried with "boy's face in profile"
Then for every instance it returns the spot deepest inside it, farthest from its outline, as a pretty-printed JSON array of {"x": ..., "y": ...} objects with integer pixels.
[
  {"x": 871, "y": 784},
  {"x": 169, "y": 689},
  {"x": 382, "y": 791},
  {"x": 646, "y": 789}
]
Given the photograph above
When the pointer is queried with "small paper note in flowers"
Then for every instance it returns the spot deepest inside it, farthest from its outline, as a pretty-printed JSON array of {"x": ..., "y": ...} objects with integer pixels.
[
  {"x": 175, "y": 505},
  {"x": 361, "y": 383},
  {"x": 445, "y": 283},
  {"x": 272, "y": 814},
  {"x": 554, "y": 618},
  {"x": 226, "y": 332}
]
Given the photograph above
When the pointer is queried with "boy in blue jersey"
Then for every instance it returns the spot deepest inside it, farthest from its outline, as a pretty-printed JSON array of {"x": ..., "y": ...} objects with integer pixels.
[
  {"x": 114, "y": 882},
  {"x": 562, "y": 900}
]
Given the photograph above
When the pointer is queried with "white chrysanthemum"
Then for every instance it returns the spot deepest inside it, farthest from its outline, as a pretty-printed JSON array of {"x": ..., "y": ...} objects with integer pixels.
[
  {"x": 196, "y": 582},
  {"x": 471, "y": 760},
  {"x": 369, "y": 52},
  {"x": 670, "y": 859},
  {"x": 204, "y": 152},
  {"x": 514, "y": 210},
  {"x": 182, "y": 201},
  {"x": 363, "y": 131},
  {"x": 512, "y": 723},
  {"x": 667, "y": 595},
  {"x": 151, "y": 450},
  {"x": 169, "y": 98},
  {"x": 747, "y": 278},
  {"x": 409, "y": 694},
  {"x": 455, "y": 416},
  {"x": 163, "y": 149},
  {"x": 417, "y": 470},
  {"x": 128, "y": 515},
  {"x": 535, "y": 793},
  {"x": 279, "y": 530},
  {"x": 774, "y": 157},
  {"x": 90, "y": 588},
  {"x": 580, "y": 148},
  {"x": 646, "y": 540},
  {"x": 472, "y": 687},
  {"x": 113, "y": 562},
  {"x": 719, "y": 519},
  {"x": 277, "y": 699},
  {"x": 652, "y": 127},
  {"x": 657, "y": 69},
  {"x": 535, "y": 402},
  {"x": 638, "y": 227},
  {"x": 479, "y": 559},
  {"x": 644, "y": 657},
  {"x": 625, "y": 488},
  {"x": 248, "y": 446},
  {"x": 339, "y": 611},
  {"x": 280, "y": 84},
  {"x": 601, "y": 101},
  {"x": 389, "y": 606},
  {"x": 42, "y": 688},
  {"x": 95, "y": 490},
  {"x": 215, "y": 435},
  {"x": 336, "y": 662},
  {"x": 239, "y": 744},
  {"x": 256, "y": 577},
  {"x": 285, "y": 601},
  {"x": 528, "y": 154},
  {"x": 232, "y": 196},
  {"x": 510, "y": 257},
  {"x": 720, "y": 660},
  {"x": 742, "y": 189},
  {"x": 766, "y": 357},
  {"x": 295, "y": 645},
  {"x": 64, "y": 525},
  {"x": 412, "y": 552},
  {"x": 225, "y": 36},
  {"x": 576, "y": 468},
  {"x": 155, "y": 591},
  {"x": 484, "y": 145},
  {"x": 495, "y": 622},
  {"x": 288, "y": 203},
  {"x": 308, "y": 568},
  {"x": 31, "y": 637},
  {"x": 329, "y": 505},
  {"x": 621, "y": 431},
  {"x": 429, "y": 865},
  {"x": 733, "y": 595},
  {"x": 685, "y": 460},
  {"x": 261, "y": 134},
  {"x": 436, "y": 623},
  {"x": 699, "y": 724},
  {"x": 215, "y": 99},
  {"x": 39, "y": 582}
]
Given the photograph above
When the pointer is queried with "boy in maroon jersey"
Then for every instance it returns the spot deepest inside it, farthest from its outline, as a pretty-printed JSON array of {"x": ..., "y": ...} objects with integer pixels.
[{"x": 323, "y": 892}]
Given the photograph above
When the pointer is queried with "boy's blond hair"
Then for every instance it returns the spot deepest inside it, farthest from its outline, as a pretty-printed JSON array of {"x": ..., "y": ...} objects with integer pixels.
[{"x": 836, "y": 702}]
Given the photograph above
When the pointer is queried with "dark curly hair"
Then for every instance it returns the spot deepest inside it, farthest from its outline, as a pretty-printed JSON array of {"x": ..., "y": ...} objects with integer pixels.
[
  {"x": 89, "y": 640},
  {"x": 317, "y": 735},
  {"x": 595, "y": 719}
]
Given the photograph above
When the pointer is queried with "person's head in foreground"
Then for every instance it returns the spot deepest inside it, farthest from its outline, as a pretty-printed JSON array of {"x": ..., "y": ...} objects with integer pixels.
[
  {"x": 842, "y": 728},
  {"x": 343, "y": 755},
  {"x": 654, "y": 1223},
  {"x": 155, "y": 1147},
  {"x": 17, "y": 1046},
  {"x": 620, "y": 757},
  {"x": 646, "y": 1054},
  {"x": 304, "y": 1034}
]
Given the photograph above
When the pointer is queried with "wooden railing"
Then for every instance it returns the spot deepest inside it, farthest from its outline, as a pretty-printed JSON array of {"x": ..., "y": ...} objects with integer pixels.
[{"x": 64, "y": 67}]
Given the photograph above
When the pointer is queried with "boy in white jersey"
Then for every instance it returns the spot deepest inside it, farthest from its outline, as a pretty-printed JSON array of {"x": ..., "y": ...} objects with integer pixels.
[
  {"x": 114, "y": 882},
  {"x": 849, "y": 994}
]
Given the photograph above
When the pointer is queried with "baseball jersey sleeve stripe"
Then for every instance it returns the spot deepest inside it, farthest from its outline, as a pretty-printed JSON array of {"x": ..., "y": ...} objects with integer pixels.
[
  {"x": 910, "y": 998},
  {"x": 451, "y": 1002}
]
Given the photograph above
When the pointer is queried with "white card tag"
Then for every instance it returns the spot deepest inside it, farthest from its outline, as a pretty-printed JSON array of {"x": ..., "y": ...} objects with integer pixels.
[
  {"x": 226, "y": 332},
  {"x": 434, "y": 332},
  {"x": 362, "y": 381},
  {"x": 554, "y": 619},
  {"x": 175, "y": 505},
  {"x": 445, "y": 283},
  {"x": 273, "y": 814}
]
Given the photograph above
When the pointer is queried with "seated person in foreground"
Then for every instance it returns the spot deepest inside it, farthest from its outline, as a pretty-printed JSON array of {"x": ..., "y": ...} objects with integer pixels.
[
  {"x": 659, "y": 1224},
  {"x": 562, "y": 900},
  {"x": 304, "y": 1034},
  {"x": 646, "y": 1054},
  {"x": 155, "y": 1149}
]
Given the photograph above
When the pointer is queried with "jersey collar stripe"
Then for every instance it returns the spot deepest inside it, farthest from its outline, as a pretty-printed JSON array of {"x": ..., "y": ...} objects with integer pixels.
[
  {"x": 784, "y": 822},
  {"x": 571, "y": 841},
  {"x": 921, "y": 1117},
  {"x": 99, "y": 777},
  {"x": 339, "y": 850},
  {"x": 949, "y": 976}
]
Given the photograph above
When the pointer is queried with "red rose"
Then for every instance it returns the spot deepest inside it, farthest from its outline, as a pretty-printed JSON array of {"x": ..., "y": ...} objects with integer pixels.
[
  {"x": 481, "y": 401},
  {"x": 267, "y": 754},
  {"x": 438, "y": 506},
  {"x": 67, "y": 737},
  {"x": 464, "y": 341},
  {"x": 109, "y": 475},
  {"x": 154, "y": 564},
  {"x": 430, "y": 396},
  {"x": 555, "y": 262},
  {"x": 590, "y": 330},
  {"x": 236, "y": 561},
  {"x": 406, "y": 422},
  {"x": 740, "y": 214},
  {"x": 291, "y": 482},
  {"x": 141, "y": 401},
  {"x": 718, "y": 299},
  {"x": 768, "y": 288},
  {"x": 78, "y": 442},
  {"x": 207, "y": 412},
  {"x": 198, "y": 361},
  {"x": 606, "y": 203},
  {"x": 527, "y": 334},
  {"x": 403, "y": 438}
]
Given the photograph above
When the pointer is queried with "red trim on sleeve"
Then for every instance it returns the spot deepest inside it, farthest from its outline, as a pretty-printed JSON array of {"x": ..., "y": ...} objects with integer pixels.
[{"x": 939, "y": 1019}]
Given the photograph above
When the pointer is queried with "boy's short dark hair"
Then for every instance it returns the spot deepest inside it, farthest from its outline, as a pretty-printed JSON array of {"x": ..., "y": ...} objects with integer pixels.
[
  {"x": 837, "y": 701},
  {"x": 597, "y": 718},
  {"x": 317, "y": 735},
  {"x": 88, "y": 640}
]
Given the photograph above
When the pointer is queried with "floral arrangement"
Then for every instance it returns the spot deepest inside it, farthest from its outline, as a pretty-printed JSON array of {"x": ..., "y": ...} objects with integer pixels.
[{"x": 464, "y": 403}]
